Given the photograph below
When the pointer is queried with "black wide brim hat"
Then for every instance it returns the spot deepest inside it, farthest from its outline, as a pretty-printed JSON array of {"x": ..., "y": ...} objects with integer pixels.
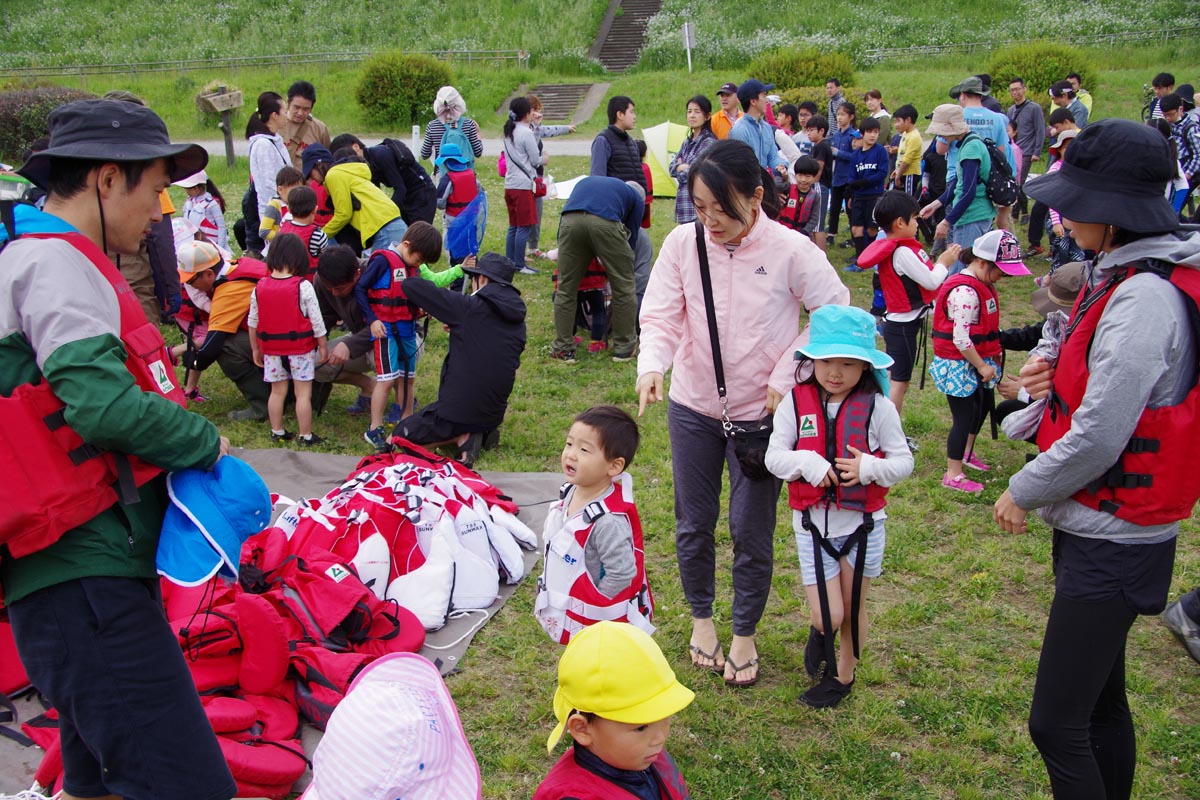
[
  {"x": 1114, "y": 173},
  {"x": 494, "y": 267},
  {"x": 111, "y": 130}
]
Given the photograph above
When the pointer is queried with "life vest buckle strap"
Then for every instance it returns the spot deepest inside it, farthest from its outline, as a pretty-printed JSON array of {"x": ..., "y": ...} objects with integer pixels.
[
  {"x": 85, "y": 452},
  {"x": 1142, "y": 444},
  {"x": 55, "y": 419}
]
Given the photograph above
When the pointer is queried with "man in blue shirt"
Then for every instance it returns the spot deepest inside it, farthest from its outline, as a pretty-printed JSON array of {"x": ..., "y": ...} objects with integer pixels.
[
  {"x": 754, "y": 130},
  {"x": 601, "y": 219}
]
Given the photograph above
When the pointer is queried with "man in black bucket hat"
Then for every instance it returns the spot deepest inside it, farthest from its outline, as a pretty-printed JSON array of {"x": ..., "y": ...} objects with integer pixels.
[
  {"x": 84, "y": 494},
  {"x": 487, "y": 336},
  {"x": 1116, "y": 470}
]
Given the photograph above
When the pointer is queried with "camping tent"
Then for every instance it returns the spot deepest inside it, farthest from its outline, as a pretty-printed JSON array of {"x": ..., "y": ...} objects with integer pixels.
[{"x": 662, "y": 142}]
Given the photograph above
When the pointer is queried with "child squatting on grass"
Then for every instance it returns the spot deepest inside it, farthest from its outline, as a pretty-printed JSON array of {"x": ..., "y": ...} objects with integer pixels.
[
  {"x": 287, "y": 335},
  {"x": 839, "y": 444},
  {"x": 595, "y": 560},
  {"x": 616, "y": 696}
]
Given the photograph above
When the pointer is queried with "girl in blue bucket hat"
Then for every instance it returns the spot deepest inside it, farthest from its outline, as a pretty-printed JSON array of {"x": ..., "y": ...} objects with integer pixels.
[{"x": 839, "y": 445}]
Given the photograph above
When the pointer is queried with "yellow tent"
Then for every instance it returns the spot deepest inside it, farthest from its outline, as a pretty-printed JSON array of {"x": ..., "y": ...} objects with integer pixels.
[{"x": 662, "y": 142}]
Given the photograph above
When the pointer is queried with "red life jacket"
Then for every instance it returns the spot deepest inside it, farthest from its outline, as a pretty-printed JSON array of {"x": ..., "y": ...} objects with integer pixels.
[
  {"x": 1154, "y": 482},
  {"x": 594, "y": 277},
  {"x": 466, "y": 187},
  {"x": 851, "y": 424},
  {"x": 985, "y": 334},
  {"x": 567, "y": 600},
  {"x": 283, "y": 330},
  {"x": 900, "y": 292},
  {"x": 189, "y": 313},
  {"x": 305, "y": 232},
  {"x": 53, "y": 480},
  {"x": 568, "y": 779},
  {"x": 324, "y": 205},
  {"x": 796, "y": 212},
  {"x": 389, "y": 302}
]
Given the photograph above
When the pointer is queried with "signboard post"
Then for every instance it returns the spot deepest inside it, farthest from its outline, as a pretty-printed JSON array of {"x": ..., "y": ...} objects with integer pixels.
[{"x": 689, "y": 41}]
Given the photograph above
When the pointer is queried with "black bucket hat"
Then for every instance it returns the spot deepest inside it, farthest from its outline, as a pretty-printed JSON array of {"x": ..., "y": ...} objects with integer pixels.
[
  {"x": 111, "y": 130},
  {"x": 494, "y": 267},
  {"x": 1128, "y": 192}
]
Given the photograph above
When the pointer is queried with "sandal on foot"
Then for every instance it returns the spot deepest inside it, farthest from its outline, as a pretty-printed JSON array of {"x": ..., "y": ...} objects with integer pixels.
[
  {"x": 698, "y": 653},
  {"x": 752, "y": 663}
]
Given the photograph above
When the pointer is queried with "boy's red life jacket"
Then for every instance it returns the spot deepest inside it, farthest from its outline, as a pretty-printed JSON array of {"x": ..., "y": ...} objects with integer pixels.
[
  {"x": 1155, "y": 481},
  {"x": 465, "y": 188},
  {"x": 53, "y": 480},
  {"x": 283, "y": 330},
  {"x": 851, "y": 424},
  {"x": 305, "y": 232},
  {"x": 985, "y": 333},
  {"x": 568, "y": 779},
  {"x": 324, "y": 211},
  {"x": 900, "y": 292},
  {"x": 594, "y": 279},
  {"x": 567, "y": 600},
  {"x": 797, "y": 211},
  {"x": 389, "y": 303}
]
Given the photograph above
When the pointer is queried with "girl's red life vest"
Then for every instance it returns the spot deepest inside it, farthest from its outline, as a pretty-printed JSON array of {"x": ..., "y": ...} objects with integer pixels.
[
  {"x": 189, "y": 313},
  {"x": 389, "y": 303},
  {"x": 568, "y": 779},
  {"x": 54, "y": 481},
  {"x": 797, "y": 211},
  {"x": 465, "y": 188},
  {"x": 850, "y": 424},
  {"x": 305, "y": 232},
  {"x": 900, "y": 292},
  {"x": 985, "y": 333},
  {"x": 324, "y": 204},
  {"x": 567, "y": 600},
  {"x": 1155, "y": 481},
  {"x": 283, "y": 330},
  {"x": 594, "y": 279}
]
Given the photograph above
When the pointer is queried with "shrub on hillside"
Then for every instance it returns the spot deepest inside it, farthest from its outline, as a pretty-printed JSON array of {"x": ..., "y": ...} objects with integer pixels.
[
  {"x": 398, "y": 89},
  {"x": 23, "y": 116},
  {"x": 818, "y": 96},
  {"x": 789, "y": 68},
  {"x": 1040, "y": 64}
]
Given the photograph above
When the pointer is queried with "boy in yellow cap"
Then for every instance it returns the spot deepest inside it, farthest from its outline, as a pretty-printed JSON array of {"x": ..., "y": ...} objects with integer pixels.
[{"x": 616, "y": 696}]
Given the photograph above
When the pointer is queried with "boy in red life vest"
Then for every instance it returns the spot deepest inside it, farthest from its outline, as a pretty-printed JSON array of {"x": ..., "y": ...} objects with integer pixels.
[
  {"x": 392, "y": 318},
  {"x": 593, "y": 287},
  {"x": 277, "y": 209},
  {"x": 459, "y": 184},
  {"x": 909, "y": 281},
  {"x": 804, "y": 208},
  {"x": 302, "y": 202},
  {"x": 839, "y": 444},
  {"x": 616, "y": 696},
  {"x": 595, "y": 566},
  {"x": 287, "y": 335}
]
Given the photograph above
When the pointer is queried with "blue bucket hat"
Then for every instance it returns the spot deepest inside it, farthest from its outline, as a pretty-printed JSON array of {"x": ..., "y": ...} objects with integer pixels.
[
  {"x": 451, "y": 157},
  {"x": 846, "y": 332},
  {"x": 212, "y": 513}
]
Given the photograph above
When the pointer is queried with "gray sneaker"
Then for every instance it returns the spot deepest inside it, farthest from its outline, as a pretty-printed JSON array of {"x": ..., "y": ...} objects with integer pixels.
[{"x": 1185, "y": 630}]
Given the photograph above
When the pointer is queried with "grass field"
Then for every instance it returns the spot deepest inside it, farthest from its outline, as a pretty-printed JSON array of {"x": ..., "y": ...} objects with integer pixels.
[{"x": 944, "y": 687}]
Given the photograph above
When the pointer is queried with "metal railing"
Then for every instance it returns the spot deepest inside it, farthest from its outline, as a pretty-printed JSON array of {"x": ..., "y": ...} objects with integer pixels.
[
  {"x": 1163, "y": 35},
  {"x": 520, "y": 57}
]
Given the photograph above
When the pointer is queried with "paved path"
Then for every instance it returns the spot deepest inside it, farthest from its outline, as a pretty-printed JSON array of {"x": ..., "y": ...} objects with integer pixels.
[{"x": 572, "y": 145}]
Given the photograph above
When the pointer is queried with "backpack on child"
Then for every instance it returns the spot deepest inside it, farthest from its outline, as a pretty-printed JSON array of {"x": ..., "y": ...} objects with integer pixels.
[
  {"x": 454, "y": 135},
  {"x": 1002, "y": 187}
]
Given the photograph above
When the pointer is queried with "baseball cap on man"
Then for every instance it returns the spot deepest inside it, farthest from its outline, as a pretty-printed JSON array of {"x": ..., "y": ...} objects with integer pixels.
[
  {"x": 616, "y": 671},
  {"x": 111, "y": 130},
  {"x": 752, "y": 88},
  {"x": 1001, "y": 248},
  {"x": 728, "y": 88},
  {"x": 194, "y": 257},
  {"x": 971, "y": 85}
]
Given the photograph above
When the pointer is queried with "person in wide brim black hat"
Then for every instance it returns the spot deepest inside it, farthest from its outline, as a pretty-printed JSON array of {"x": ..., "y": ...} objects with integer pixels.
[{"x": 1123, "y": 384}]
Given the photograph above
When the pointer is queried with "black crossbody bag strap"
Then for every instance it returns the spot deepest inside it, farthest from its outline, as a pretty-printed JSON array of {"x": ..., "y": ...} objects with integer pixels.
[{"x": 711, "y": 315}]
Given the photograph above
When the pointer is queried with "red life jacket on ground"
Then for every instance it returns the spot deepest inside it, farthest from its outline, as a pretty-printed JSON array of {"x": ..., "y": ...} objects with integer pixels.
[
  {"x": 53, "y": 480},
  {"x": 466, "y": 187},
  {"x": 283, "y": 330},
  {"x": 900, "y": 292},
  {"x": 305, "y": 232},
  {"x": 389, "y": 302},
  {"x": 797, "y": 211},
  {"x": 568, "y": 779},
  {"x": 567, "y": 600},
  {"x": 851, "y": 424},
  {"x": 1154, "y": 482},
  {"x": 985, "y": 334}
]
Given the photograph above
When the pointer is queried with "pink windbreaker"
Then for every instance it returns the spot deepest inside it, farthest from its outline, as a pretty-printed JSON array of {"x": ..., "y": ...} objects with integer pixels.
[{"x": 758, "y": 290}]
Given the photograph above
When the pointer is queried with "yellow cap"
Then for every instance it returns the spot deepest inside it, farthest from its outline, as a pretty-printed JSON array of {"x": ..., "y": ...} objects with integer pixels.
[{"x": 616, "y": 671}]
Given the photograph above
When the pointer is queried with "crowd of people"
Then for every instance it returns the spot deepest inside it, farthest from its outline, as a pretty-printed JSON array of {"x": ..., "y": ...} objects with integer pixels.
[{"x": 757, "y": 399}]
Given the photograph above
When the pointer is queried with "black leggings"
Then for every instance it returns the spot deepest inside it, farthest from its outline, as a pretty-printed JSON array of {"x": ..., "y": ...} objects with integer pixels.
[
  {"x": 967, "y": 415},
  {"x": 837, "y": 196}
]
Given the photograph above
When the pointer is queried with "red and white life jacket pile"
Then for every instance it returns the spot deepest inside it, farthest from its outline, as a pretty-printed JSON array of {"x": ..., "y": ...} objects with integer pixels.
[{"x": 337, "y": 582}]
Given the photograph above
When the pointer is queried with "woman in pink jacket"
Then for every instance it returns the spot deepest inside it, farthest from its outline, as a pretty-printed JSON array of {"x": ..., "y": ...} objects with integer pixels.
[{"x": 762, "y": 275}]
